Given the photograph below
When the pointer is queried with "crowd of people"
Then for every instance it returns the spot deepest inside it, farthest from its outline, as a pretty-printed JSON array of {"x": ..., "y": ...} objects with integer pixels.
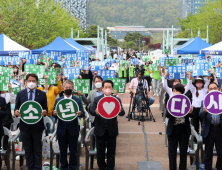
[{"x": 106, "y": 130}]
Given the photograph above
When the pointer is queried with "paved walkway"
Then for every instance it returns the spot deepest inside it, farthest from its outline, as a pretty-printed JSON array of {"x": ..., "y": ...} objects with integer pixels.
[{"x": 131, "y": 143}]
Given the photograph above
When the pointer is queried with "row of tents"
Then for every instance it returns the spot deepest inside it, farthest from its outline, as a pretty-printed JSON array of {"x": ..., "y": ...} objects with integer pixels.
[
  {"x": 67, "y": 46},
  {"x": 70, "y": 46},
  {"x": 198, "y": 46}
]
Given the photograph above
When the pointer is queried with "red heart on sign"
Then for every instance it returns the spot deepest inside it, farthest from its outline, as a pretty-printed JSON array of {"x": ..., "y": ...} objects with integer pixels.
[{"x": 108, "y": 107}]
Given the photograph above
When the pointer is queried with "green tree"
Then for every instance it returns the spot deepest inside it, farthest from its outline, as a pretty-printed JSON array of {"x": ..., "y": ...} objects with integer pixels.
[
  {"x": 34, "y": 24},
  {"x": 130, "y": 44},
  {"x": 136, "y": 37},
  {"x": 209, "y": 15}
]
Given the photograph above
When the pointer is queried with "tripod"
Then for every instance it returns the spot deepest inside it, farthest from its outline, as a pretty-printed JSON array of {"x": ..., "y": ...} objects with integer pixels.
[{"x": 142, "y": 107}]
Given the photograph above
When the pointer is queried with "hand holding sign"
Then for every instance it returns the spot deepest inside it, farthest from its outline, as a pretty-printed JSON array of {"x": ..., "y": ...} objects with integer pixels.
[
  {"x": 108, "y": 107},
  {"x": 179, "y": 105}
]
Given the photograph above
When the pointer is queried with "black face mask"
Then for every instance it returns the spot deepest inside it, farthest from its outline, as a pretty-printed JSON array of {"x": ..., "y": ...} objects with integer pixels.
[{"x": 68, "y": 92}]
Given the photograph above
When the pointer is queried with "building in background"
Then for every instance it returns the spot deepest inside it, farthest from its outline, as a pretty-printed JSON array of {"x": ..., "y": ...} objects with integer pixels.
[
  {"x": 119, "y": 32},
  {"x": 189, "y": 6},
  {"x": 78, "y": 9}
]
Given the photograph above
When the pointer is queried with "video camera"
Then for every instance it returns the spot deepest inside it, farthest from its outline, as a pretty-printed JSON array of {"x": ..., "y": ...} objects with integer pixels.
[{"x": 139, "y": 69}]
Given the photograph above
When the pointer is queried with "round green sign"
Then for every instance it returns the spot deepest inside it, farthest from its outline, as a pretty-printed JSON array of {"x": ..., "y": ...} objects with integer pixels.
[
  {"x": 31, "y": 112},
  {"x": 67, "y": 109}
]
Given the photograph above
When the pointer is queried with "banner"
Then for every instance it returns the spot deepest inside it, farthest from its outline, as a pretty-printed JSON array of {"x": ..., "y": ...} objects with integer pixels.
[
  {"x": 218, "y": 71},
  {"x": 119, "y": 84},
  {"x": 4, "y": 81},
  {"x": 6, "y": 71},
  {"x": 146, "y": 58},
  {"x": 171, "y": 62},
  {"x": 81, "y": 84},
  {"x": 177, "y": 72},
  {"x": 153, "y": 67},
  {"x": 200, "y": 69},
  {"x": 71, "y": 73},
  {"x": 186, "y": 61},
  {"x": 106, "y": 74},
  {"x": 15, "y": 90},
  {"x": 134, "y": 61},
  {"x": 123, "y": 63},
  {"x": 52, "y": 77},
  {"x": 39, "y": 70}
]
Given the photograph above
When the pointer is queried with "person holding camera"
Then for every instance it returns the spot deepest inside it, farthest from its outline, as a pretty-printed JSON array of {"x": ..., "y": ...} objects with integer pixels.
[{"x": 134, "y": 86}]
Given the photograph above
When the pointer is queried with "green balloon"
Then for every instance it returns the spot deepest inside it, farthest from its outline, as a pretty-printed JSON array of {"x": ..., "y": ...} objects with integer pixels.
[
  {"x": 31, "y": 112},
  {"x": 67, "y": 109}
]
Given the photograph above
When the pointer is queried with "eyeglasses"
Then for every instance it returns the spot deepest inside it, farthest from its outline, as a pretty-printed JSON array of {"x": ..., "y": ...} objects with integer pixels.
[{"x": 34, "y": 81}]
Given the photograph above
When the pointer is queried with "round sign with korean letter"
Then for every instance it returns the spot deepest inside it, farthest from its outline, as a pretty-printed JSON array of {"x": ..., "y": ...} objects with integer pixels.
[
  {"x": 31, "y": 112},
  {"x": 213, "y": 102},
  {"x": 108, "y": 107},
  {"x": 67, "y": 109},
  {"x": 178, "y": 105}
]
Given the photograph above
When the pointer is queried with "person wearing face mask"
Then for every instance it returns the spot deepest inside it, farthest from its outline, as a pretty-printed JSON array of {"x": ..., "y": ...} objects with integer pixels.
[
  {"x": 90, "y": 99},
  {"x": 212, "y": 133},
  {"x": 198, "y": 90},
  {"x": 68, "y": 131},
  {"x": 31, "y": 135},
  {"x": 18, "y": 71},
  {"x": 178, "y": 131},
  {"x": 52, "y": 93},
  {"x": 106, "y": 130}
]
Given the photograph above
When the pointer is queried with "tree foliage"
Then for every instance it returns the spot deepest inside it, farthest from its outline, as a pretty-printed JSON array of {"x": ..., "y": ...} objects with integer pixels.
[
  {"x": 149, "y": 13},
  {"x": 130, "y": 44},
  {"x": 209, "y": 15},
  {"x": 36, "y": 23},
  {"x": 92, "y": 33}
]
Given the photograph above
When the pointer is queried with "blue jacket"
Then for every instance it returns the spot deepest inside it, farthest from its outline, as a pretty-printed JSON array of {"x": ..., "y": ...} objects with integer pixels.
[
  {"x": 72, "y": 126},
  {"x": 40, "y": 97},
  {"x": 206, "y": 121}
]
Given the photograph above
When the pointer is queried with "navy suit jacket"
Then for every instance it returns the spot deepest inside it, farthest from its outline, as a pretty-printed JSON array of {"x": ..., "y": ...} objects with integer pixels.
[
  {"x": 72, "y": 126},
  {"x": 101, "y": 123},
  {"x": 206, "y": 121},
  {"x": 171, "y": 122},
  {"x": 40, "y": 97},
  {"x": 3, "y": 112}
]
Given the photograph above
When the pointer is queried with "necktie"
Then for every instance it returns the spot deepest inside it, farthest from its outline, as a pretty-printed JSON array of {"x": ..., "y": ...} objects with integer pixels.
[{"x": 30, "y": 96}]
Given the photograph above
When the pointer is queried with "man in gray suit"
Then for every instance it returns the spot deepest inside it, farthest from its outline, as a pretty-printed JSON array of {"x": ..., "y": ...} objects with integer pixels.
[{"x": 90, "y": 98}]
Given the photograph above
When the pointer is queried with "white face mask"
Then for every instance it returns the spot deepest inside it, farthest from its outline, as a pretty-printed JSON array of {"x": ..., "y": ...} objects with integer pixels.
[
  {"x": 31, "y": 85},
  {"x": 3, "y": 95},
  {"x": 98, "y": 85}
]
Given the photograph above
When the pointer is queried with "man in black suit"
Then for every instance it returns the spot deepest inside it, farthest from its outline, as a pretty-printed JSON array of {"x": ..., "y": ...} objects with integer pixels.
[
  {"x": 3, "y": 112},
  {"x": 31, "y": 135},
  {"x": 106, "y": 131},
  {"x": 68, "y": 131},
  {"x": 212, "y": 133}
]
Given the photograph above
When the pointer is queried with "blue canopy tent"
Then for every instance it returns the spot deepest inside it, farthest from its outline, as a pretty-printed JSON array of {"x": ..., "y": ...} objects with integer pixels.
[
  {"x": 183, "y": 45},
  {"x": 8, "y": 47},
  {"x": 58, "y": 45},
  {"x": 77, "y": 45},
  {"x": 193, "y": 47}
]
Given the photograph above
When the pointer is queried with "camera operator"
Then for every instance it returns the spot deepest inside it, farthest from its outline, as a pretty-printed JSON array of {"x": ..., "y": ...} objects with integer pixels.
[{"x": 133, "y": 88}]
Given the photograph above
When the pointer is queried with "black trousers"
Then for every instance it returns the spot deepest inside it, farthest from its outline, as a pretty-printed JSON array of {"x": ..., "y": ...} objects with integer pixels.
[
  {"x": 196, "y": 120},
  {"x": 178, "y": 135},
  {"x": 32, "y": 143},
  {"x": 214, "y": 137},
  {"x": 103, "y": 142},
  {"x": 64, "y": 142},
  {"x": 93, "y": 137}
]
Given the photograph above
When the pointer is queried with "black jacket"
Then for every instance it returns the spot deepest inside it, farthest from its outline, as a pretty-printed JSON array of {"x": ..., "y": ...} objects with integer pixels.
[
  {"x": 101, "y": 123},
  {"x": 8, "y": 117},
  {"x": 171, "y": 122},
  {"x": 3, "y": 112}
]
